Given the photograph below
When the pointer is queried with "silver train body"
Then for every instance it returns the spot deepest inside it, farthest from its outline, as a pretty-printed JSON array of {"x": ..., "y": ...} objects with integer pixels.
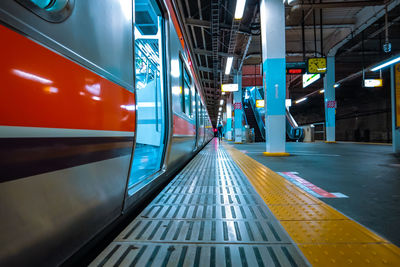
[{"x": 62, "y": 185}]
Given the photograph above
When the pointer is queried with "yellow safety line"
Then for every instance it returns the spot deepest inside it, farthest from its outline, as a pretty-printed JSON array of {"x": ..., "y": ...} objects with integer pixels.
[{"x": 325, "y": 236}]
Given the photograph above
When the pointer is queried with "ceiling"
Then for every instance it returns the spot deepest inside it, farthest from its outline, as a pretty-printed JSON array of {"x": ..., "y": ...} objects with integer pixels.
[{"x": 213, "y": 35}]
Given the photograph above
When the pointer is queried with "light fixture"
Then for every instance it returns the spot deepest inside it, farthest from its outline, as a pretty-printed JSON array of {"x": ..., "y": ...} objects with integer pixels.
[
  {"x": 336, "y": 85},
  {"x": 322, "y": 91},
  {"x": 221, "y": 102},
  {"x": 301, "y": 100},
  {"x": 228, "y": 65},
  {"x": 239, "y": 8},
  {"x": 373, "y": 83},
  {"x": 220, "y": 108},
  {"x": 387, "y": 63}
]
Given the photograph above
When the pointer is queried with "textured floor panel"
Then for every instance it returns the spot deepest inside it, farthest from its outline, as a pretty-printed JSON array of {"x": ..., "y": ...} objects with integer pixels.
[
  {"x": 162, "y": 254},
  {"x": 208, "y": 215},
  {"x": 325, "y": 236}
]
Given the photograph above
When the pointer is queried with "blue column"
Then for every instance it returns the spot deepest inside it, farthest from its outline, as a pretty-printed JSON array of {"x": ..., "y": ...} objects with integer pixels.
[
  {"x": 272, "y": 13},
  {"x": 329, "y": 95},
  {"x": 228, "y": 127},
  {"x": 395, "y": 85},
  {"x": 237, "y": 98}
]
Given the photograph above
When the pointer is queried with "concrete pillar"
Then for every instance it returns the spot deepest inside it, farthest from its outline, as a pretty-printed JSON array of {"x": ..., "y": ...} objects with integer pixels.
[
  {"x": 395, "y": 89},
  {"x": 237, "y": 98},
  {"x": 272, "y": 13},
  {"x": 329, "y": 96},
  {"x": 228, "y": 127}
]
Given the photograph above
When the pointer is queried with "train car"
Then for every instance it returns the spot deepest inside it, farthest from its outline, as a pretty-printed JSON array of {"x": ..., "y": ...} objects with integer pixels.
[{"x": 100, "y": 106}]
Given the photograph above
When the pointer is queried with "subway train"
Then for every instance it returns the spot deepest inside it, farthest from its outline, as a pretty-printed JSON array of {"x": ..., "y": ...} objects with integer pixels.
[{"x": 100, "y": 107}]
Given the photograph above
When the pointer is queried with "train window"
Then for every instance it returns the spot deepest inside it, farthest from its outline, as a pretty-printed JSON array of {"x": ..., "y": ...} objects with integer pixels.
[
  {"x": 50, "y": 10},
  {"x": 149, "y": 63},
  {"x": 187, "y": 93}
]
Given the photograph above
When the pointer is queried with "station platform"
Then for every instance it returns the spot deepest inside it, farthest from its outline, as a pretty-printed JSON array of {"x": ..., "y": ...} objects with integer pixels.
[
  {"x": 226, "y": 209},
  {"x": 366, "y": 175}
]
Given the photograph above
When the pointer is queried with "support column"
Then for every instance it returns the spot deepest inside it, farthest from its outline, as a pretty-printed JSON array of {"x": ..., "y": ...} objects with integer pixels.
[
  {"x": 272, "y": 13},
  {"x": 228, "y": 127},
  {"x": 237, "y": 98},
  {"x": 329, "y": 99},
  {"x": 395, "y": 88}
]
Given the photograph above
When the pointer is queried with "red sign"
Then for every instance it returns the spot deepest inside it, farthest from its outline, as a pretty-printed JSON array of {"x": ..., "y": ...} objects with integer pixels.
[
  {"x": 295, "y": 71},
  {"x": 331, "y": 104},
  {"x": 237, "y": 105}
]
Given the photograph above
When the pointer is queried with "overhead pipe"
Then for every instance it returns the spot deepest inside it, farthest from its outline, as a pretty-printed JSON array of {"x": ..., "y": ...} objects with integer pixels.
[{"x": 343, "y": 4}]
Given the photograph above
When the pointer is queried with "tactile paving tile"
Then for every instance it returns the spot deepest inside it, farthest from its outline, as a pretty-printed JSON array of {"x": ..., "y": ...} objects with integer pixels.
[
  {"x": 200, "y": 231},
  {"x": 171, "y": 255},
  {"x": 335, "y": 231},
  {"x": 352, "y": 254},
  {"x": 208, "y": 215},
  {"x": 305, "y": 212}
]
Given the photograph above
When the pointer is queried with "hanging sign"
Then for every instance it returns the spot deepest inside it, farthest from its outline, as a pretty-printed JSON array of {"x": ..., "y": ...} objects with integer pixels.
[{"x": 397, "y": 94}]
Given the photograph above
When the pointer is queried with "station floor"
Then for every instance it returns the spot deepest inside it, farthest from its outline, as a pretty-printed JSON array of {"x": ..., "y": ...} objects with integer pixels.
[
  {"x": 368, "y": 174},
  {"x": 226, "y": 209}
]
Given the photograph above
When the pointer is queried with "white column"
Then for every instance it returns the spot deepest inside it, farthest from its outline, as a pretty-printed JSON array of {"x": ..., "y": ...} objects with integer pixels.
[
  {"x": 237, "y": 98},
  {"x": 272, "y": 14},
  {"x": 329, "y": 98},
  {"x": 228, "y": 126}
]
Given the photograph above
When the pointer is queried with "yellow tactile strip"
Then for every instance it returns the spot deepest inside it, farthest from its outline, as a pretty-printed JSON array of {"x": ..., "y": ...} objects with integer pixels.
[{"x": 325, "y": 236}]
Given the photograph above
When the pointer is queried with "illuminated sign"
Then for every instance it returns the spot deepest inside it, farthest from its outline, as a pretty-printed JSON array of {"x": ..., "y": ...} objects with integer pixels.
[
  {"x": 229, "y": 87},
  {"x": 260, "y": 103},
  {"x": 295, "y": 67},
  {"x": 309, "y": 79},
  {"x": 295, "y": 71},
  {"x": 373, "y": 83}
]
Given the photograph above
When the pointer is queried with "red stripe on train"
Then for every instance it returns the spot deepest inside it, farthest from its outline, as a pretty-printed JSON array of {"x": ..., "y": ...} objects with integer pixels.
[
  {"x": 40, "y": 88},
  {"x": 183, "y": 127}
]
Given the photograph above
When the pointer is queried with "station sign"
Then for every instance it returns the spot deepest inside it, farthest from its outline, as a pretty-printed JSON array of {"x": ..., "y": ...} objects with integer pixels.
[
  {"x": 230, "y": 87},
  {"x": 331, "y": 104},
  {"x": 309, "y": 79},
  {"x": 295, "y": 68},
  {"x": 237, "y": 105},
  {"x": 373, "y": 83}
]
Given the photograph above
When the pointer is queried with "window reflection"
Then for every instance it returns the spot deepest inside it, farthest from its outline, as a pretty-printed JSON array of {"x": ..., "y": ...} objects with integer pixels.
[{"x": 148, "y": 65}]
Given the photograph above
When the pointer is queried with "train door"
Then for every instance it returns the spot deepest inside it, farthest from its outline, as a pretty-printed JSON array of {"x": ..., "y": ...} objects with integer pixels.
[{"x": 149, "y": 82}]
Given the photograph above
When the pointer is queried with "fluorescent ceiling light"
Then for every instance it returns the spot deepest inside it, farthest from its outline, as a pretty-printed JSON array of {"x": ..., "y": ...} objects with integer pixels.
[
  {"x": 336, "y": 85},
  {"x": 221, "y": 102},
  {"x": 220, "y": 108},
  {"x": 321, "y": 91},
  {"x": 228, "y": 65},
  {"x": 301, "y": 100},
  {"x": 387, "y": 63},
  {"x": 239, "y": 8}
]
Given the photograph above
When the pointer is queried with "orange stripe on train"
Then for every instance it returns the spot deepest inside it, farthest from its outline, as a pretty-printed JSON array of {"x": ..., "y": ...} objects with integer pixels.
[{"x": 40, "y": 88}]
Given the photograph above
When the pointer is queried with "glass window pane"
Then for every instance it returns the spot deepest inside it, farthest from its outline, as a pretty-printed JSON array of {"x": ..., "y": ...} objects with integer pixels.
[{"x": 149, "y": 92}]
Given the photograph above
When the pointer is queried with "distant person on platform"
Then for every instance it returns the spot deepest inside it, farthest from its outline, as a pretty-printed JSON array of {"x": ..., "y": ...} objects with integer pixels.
[{"x": 220, "y": 129}]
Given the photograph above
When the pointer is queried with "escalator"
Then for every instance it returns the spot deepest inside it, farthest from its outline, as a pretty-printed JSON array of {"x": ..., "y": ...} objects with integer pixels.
[
  {"x": 256, "y": 118},
  {"x": 252, "y": 122}
]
